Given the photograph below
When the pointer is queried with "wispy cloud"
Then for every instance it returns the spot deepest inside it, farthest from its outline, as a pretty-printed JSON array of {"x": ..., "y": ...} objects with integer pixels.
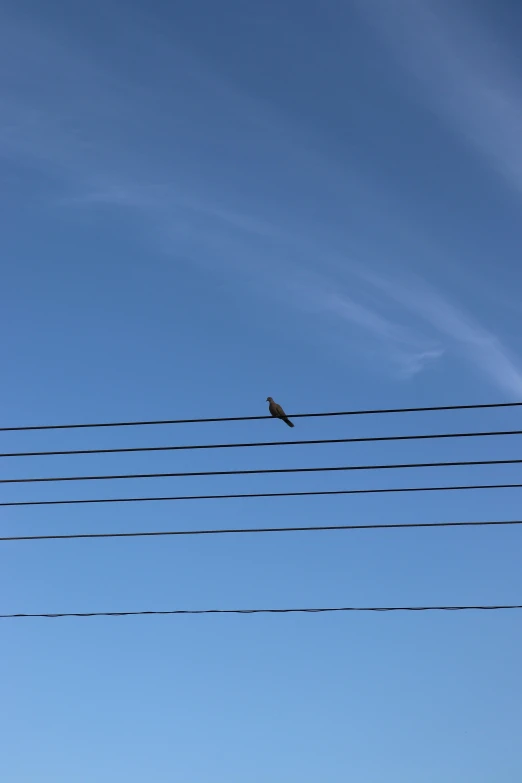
[
  {"x": 463, "y": 73},
  {"x": 463, "y": 335},
  {"x": 426, "y": 325},
  {"x": 363, "y": 321},
  {"x": 406, "y": 347}
]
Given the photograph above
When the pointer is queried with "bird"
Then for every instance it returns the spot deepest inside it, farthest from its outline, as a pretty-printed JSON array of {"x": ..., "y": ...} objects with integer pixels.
[{"x": 277, "y": 411}]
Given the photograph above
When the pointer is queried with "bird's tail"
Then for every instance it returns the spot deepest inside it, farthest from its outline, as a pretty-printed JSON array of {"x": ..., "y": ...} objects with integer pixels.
[{"x": 287, "y": 421}]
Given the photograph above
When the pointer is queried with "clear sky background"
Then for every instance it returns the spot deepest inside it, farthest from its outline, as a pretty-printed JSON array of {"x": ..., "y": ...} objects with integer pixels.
[{"x": 203, "y": 204}]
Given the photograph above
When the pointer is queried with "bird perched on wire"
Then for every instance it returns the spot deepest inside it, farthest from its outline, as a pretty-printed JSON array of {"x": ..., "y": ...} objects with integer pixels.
[{"x": 277, "y": 411}]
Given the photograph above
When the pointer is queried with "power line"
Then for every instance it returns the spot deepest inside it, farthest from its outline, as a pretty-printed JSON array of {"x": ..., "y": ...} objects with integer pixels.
[
  {"x": 372, "y": 439},
  {"x": 228, "y": 531},
  {"x": 147, "y": 423},
  {"x": 267, "y": 611},
  {"x": 385, "y": 490},
  {"x": 260, "y": 471}
]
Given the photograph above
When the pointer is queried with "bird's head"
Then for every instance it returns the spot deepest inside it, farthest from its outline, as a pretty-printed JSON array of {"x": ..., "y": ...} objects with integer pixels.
[{"x": 269, "y": 399}]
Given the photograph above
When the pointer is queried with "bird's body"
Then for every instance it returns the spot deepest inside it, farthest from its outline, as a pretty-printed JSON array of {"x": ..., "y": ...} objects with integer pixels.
[{"x": 277, "y": 411}]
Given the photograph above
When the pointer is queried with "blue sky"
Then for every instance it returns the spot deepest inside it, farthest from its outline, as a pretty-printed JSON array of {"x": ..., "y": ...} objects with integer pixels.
[{"x": 202, "y": 206}]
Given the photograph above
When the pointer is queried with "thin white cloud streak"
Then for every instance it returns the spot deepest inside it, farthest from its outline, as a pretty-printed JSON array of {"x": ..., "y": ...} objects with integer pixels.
[
  {"x": 401, "y": 345},
  {"x": 476, "y": 344},
  {"x": 358, "y": 321},
  {"x": 463, "y": 74}
]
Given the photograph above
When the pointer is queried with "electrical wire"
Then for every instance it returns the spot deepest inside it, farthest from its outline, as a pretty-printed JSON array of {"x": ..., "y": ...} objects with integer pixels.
[
  {"x": 321, "y": 610},
  {"x": 309, "y": 493},
  {"x": 262, "y": 471},
  {"x": 228, "y": 531},
  {"x": 372, "y": 439},
  {"x": 146, "y": 423}
]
